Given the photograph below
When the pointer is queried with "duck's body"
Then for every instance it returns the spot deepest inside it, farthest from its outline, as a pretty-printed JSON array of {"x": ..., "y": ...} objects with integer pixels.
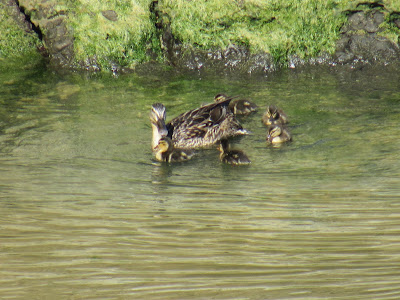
[
  {"x": 196, "y": 128},
  {"x": 166, "y": 152},
  {"x": 278, "y": 134},
  {"x": 238, "y": 106},
  {"x": 273, "y": 116},
  {"x": 233, "y": 157}
]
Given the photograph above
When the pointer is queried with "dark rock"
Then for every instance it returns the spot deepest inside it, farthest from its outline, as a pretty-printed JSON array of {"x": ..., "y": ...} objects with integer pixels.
[
  {"x": 397, "y": 23},
  {"x": 58, "y": 41},
  {"x": 368, "y": 22},
  {"x": 379, "y": 17},
  {"x": 360, "y": 41},
  {"x": 373, "y": 22},
  {"x": 356, "y": 21},
  {"x": 367, "y": 47},
  {"x": 17, "y": 14},
  {"x": 110, "y": 15},
  {"x": 233, "y": 59}
]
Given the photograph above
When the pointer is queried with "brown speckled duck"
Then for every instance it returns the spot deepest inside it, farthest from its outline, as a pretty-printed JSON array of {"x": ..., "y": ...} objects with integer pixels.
[{"x": 196, "y": 128}]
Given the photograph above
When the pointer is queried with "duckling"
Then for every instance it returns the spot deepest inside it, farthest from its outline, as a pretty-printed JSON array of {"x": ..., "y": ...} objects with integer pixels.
[
  {"x": 274, "y": 115},
  {"x": 278, "y": 134},
  {"x": 196, "y": 128},
  {"x": 238, "y": 106},
  {"x": 165, "y": 151},
  {"x": 233, "y": 157}
]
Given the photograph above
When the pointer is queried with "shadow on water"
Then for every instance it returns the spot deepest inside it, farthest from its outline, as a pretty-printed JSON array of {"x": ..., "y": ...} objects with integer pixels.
[{"x": 86, "y": 211}]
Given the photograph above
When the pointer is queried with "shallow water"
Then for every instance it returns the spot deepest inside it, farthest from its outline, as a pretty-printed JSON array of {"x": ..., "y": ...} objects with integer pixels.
[{"x": 86, "y": 212}]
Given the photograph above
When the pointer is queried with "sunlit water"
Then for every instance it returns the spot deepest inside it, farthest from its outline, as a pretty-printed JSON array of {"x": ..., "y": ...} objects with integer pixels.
[{"x": 86, "y": 212}]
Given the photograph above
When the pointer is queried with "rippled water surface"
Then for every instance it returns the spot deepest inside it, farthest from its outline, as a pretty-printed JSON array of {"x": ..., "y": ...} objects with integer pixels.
[{"x": 86, "y": 212}]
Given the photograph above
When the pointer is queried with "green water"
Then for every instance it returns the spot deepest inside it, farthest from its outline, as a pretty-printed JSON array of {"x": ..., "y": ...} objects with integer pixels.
[{"x": 86, "y": 212}]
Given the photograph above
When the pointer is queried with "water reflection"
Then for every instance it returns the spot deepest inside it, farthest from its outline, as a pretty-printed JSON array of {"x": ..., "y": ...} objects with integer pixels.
[{"x": 85, "y": 211}]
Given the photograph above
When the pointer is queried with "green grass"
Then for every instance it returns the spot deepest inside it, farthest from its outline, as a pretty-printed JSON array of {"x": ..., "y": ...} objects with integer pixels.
[
  {"x": 279, "y": 27},
  {"x": 305, "y": 28},
  {"x": 124, "y": 41},
  {"x": 15, "y": 41}
]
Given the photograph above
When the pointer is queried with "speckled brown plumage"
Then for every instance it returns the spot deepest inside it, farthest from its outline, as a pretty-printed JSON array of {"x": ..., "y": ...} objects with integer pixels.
[{"x": 200, "y": 127}]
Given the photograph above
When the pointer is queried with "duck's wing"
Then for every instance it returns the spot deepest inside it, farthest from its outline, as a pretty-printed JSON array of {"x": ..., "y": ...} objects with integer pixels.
[
  {"x": 202, "y": 113},
  {"x": 201, "y": 118}
]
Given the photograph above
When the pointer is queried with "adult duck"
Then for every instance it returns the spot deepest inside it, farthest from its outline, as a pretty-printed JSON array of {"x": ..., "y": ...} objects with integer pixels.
[{"x": 196, "y": 128}]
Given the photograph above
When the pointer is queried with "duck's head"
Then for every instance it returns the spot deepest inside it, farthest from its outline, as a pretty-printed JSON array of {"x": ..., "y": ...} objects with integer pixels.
[
  {"x": 274, "y": 131},
  {"x": 272, "y": 114},
  {"x": 157, "y": 119},
  {"x": 157, "y": 114},
  {"x": 220, "y": 97}
]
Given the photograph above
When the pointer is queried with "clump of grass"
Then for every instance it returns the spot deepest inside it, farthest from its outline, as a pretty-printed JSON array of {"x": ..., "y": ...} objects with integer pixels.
[
  {"x": 124, "y": 41},
  {"x": 16, "y": 41},
  {"x": 278, "y": 27}
]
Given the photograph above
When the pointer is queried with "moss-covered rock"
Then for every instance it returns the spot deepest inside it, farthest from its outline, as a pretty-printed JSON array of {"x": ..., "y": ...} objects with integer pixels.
[
  {"x": 17, "y": 37},
  {"x": 366, "y": 37}
]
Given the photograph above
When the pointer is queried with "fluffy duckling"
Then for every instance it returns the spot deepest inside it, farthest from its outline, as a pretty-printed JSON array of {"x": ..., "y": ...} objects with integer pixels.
[
  {"x": 165, "y": 151},
  {"x": 238, "y": 106},
  {"x": 233, "y": 157},
  {"x": 274, "y": 115},
  {"x": 278, "y": 134},
  {"x": 196, "y": 128}
]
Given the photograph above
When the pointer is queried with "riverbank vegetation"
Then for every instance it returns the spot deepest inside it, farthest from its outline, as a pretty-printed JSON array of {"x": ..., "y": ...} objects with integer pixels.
[{"x": 128, "y": 32}]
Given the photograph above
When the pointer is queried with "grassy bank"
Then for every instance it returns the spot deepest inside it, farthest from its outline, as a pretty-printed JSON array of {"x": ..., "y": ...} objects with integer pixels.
[
  {"x": 125, "y": 32},
  {"x": 277, "y": 27},
  {"x": 16, "y": 40},
  {"x": 120, "y": 31}
]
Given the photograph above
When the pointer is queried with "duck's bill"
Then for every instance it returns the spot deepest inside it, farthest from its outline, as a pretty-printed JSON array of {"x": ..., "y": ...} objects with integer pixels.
[{"x": 161, "y": 129}]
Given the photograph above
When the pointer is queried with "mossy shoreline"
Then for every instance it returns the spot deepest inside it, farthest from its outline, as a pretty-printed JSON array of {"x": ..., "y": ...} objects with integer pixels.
[{"x": 253, "y": 36}]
